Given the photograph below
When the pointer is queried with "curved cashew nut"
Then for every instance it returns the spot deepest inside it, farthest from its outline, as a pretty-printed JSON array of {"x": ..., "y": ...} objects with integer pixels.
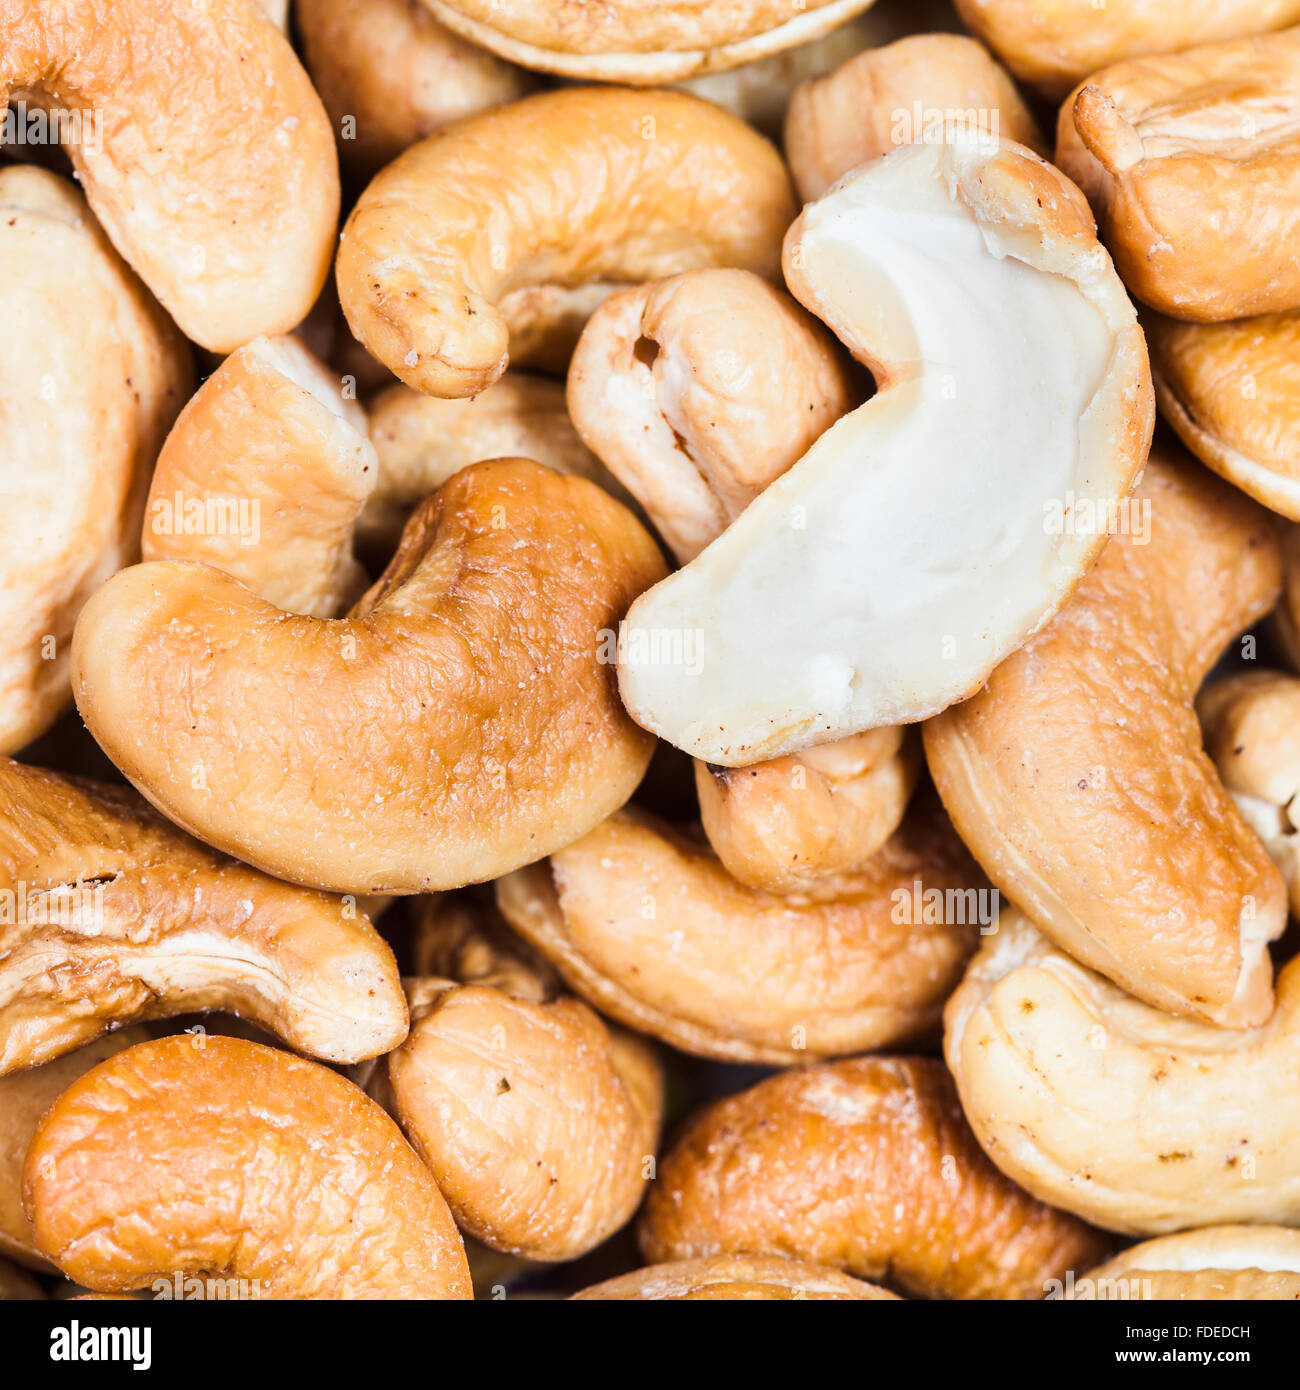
[
  {"x": 555, "y": 190},
  {"x": 915, "y": 90},
  {"x": 866, "y": 1165},
  {"x": 1251, "y": 437},
  {"x": 470, "y": 722},
  {"x": 388, "y": 74},
  {"x": 1098, "y": 1103},
  {"x": 1219, "y": 1263},
  {"x": 230, "y": 1158},
  {"x": 1190, "y": 161},
  {"x": 263, "y": 476},
  {"x": 24, "y": 1097},
  {"x": 225, "y": 204},
  {"x": 697, "y": 391},
  {"x": 1012, "y": 372},
  {"x": 642, "y": 42},
  {"x": 108, "y": 915},
  {"x": 76, "y": 444},
  {"x": 421, "y": 441},
  {"x": 733, "y": 1277},
  {"x": 1055, "y": 43},
  {"x": 650, "y": 929},
  {"x": 1078, "y": 778}
]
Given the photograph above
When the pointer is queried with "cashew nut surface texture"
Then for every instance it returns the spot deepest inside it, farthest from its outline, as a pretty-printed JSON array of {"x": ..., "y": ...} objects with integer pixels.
[
  {"x": 219, "y": 1156},
  {"x": 224, "y": 203},
  {"x": 1078, "y": 777},
  {"x": 1219, "y": 1263},
  {"x": 860, "y": 589},
  {"x": 551, "y": 192},
  {"x": 733, "y": 1277}
]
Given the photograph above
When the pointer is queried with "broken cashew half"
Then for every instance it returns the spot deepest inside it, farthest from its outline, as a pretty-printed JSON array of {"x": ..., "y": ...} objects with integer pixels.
[
  {"x": 647, "y": 925},
  {"x": 109, "y": 915},
  {"x": 458, "y": 724},
  {"x": 548, "y": 193},
  {"x": 1220, "y": 1263},
  {"x": 1138, "y": 1121},
  {"x": 219, "y": 1156},
  {"x": 861, "y": 588},
  {"x": 866, "y": 1165},
  {"x": 1078, "y": 777},
  {"x": 732, "y": 1277},
  {"x": 225, "y": 204}
]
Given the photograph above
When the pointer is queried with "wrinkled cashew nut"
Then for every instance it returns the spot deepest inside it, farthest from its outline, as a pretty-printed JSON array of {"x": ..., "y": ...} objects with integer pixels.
[
  {"x": 733, "y": 1277},
  {"x": 1220, "y": 1263}
]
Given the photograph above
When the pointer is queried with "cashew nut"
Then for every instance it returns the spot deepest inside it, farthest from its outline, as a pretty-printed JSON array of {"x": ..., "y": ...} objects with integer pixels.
[
  {"x": 225, "y": 202},
  {"x": 1136, "y": 1120},
  {"x": 388, "y": 74},
  {"x": 459, "y": 724},
  {"x": 917, "y": 89},
  {"x": 1077, "y": 776},
  {"x": 263, "y": 476},
  {"x": 733, "y": 1277},
  {"x": 648, "y": 926},
  {"x": 218, "y": 1156},
  {"x": 1285, "y": 618},
  {"x": 108, "y": 915},
  {"x": 92, "y": 381},
  {"x": 1229, "y": 389},
  {"x": 864, "y": 586},
  {"x": 868, "y": 1166},
  {"x": 1190, "y": 161},
  {"x": 1218, "y": 1263},
  {"x": 562, "y": 188}
]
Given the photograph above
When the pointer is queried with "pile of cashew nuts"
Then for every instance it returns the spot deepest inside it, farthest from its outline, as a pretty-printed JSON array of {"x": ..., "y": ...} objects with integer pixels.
[{"x": 650, "y": 651}]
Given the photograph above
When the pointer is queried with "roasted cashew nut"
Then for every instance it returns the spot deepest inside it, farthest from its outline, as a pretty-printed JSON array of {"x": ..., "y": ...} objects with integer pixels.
[
  {"x": 1230, "y": 390},
  {"x": 1251, "y": 722},
  {"x": 733, "y": 1277},
  {"x": 93, "y": 375},
  {"x": 1077, "y": 776},
  {"x": 1285, "y": 618},
  {"x": 219, "y": 1156},
  {"x": 264, "y": 476},
  {"x": 643, "y": 42},
  {"x": 109, "y": 915},
  {"x": 1136, "y": 1120},
  {"x": 225, "y": 202},
  {"x": 557, "y": 190},
  {"x": 864, "y": 586},
  {"x": 1190, "y": 161},
  {"x": 1218, "y": 1263},
  {"x": 866, "y": 1165},
  {"x": 649, "y": 928},
  {"x": 459, "y": 724},
  {"x": 1053, "y": 44},
  {"x": 917, "y": 89}
]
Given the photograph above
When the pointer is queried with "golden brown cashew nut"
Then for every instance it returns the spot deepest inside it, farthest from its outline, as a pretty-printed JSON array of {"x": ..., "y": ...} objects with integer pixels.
[
  {"x": 1077, "y": 776},
  {"x": 1284, "y": 622},
  {"x": 24, "y": 1097},
  {"x": 225, "y": 202},
  {"x": 733, "y": 1277},
  {"x": 1230, "y": 390},
  {"x": 459, "y": 724},
  {"x": 389, "y": 74},
  {"x": 1218, "y": 1263},
  {"x": 918, "y": 89},
  {"x": 643, "y": 42},
  {"x": 697, "y": 391},
  {"x": 263, "y": 476},
  {"x": 108, "y": 915},
  {"x": 1251, "y": 723},
  {"x": 219, "y": 1156},
  {"x": 1055, "y": 43},
  {"x": 1136, "y": 1120},
  {"x": 562, "y": 188},
  {"x": 91, "y": 379},
  {"x": 648, "y": 926},
  {"x": 421, "y": 441},
  {"x": 890, "y": 570},
  {"x": 866, "y": 1165},
  {"x": 1190, "y": 161}
]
